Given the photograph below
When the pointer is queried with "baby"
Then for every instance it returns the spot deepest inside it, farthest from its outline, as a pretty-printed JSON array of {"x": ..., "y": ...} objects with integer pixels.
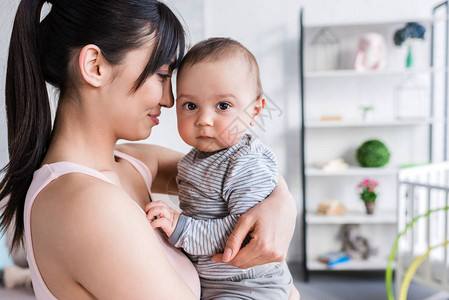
[{"x": 228, "y": 171}]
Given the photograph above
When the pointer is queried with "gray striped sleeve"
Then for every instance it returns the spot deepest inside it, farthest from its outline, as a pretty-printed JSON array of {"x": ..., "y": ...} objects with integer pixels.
[
  {"x": 250, "y": 179},
  {"x": 202, "y": 237}
]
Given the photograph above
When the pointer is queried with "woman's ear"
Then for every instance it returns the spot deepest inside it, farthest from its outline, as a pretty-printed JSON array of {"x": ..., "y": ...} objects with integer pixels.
[
  {"x": 260, "y": 104},
  {"x": 93, "y": 66}
]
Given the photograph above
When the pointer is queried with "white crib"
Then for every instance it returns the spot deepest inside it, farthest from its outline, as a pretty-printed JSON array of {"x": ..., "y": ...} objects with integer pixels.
[{"x": 421, "y": 189}]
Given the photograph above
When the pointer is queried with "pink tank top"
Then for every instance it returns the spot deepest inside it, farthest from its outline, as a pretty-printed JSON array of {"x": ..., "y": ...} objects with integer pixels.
[{"x": 49, "y": 172}]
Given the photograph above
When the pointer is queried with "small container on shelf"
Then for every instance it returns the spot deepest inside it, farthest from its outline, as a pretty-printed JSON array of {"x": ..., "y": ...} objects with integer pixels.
[
  {"x": 410, "y": 99},
  {"x": 325, "y": 51}
]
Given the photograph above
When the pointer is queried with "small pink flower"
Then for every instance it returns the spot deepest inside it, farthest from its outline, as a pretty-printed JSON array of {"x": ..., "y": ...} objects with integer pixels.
[{"x": 368, "y": 184}]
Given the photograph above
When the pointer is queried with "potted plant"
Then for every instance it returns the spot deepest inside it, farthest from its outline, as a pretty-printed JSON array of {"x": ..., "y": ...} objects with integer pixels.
[
  {"x": 367, "y": 194},
  {"x": 411, "y": 31}
]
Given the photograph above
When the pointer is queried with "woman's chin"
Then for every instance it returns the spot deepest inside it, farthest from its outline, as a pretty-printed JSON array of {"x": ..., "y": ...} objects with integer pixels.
[{"x": 138, "y": 136}]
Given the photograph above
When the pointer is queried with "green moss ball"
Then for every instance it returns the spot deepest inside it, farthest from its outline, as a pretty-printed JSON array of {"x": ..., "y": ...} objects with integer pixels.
[{"x": 373, "y": 154}]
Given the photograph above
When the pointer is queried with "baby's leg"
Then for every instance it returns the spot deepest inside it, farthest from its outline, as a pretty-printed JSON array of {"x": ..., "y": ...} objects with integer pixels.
[{"x": 269, "y": 282}]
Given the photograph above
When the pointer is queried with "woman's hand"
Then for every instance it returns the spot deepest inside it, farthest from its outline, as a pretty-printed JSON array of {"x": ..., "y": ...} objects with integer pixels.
[{"x": 270, "y": 224}]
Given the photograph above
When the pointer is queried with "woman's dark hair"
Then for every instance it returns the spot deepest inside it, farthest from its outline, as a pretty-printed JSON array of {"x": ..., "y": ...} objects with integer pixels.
[{"x": 41, "y": 51}]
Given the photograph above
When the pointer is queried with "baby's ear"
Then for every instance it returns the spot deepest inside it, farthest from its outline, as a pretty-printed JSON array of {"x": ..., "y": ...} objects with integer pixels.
[{"x": 260, "y": 104}]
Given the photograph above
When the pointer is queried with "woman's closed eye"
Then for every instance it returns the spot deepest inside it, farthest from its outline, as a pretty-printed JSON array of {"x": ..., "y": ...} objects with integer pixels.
[
  {"x": 164, "y": 76},
  {"x": 190, "y": 106},
  {"x": 223, "y": 106}
]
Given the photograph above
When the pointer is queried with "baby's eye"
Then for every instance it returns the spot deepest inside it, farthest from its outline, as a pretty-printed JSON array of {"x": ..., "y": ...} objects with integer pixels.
[
  {"x": 223, "y": 106},
  {"x": 190, "y": 106}
]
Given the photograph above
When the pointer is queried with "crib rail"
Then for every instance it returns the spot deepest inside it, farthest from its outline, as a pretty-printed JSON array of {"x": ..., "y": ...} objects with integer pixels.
[{"x": 422, "y": 190}]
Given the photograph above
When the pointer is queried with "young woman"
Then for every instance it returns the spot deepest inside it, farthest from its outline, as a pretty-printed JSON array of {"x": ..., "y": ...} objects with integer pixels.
[{"x": 75, "y": 201}]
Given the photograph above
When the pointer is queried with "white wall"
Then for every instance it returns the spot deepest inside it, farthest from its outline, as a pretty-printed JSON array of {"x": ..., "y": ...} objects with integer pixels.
[{"x": 270, "y": 30}]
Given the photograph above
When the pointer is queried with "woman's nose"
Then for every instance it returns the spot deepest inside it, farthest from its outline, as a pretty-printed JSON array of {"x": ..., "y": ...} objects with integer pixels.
[{"x": 167, "y": 95}]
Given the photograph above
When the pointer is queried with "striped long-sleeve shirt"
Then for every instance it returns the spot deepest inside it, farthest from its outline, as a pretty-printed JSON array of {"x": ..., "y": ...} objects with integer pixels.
[{"x": 215, "y": 188}]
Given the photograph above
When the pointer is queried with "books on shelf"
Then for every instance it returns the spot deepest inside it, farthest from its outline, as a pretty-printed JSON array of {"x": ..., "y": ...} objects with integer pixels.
[{"x": 334, "y": 258}]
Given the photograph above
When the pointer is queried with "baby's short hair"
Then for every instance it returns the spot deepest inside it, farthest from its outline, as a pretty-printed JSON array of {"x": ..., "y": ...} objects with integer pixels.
[{"x": 218, "y": 48}]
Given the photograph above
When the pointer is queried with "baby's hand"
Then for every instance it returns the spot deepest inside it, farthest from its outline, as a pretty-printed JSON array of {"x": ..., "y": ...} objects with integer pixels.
[{"x": 168, "y": 217}]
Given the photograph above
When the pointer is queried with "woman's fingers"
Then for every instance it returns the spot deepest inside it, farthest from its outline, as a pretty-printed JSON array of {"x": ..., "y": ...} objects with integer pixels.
[
  {"x": 253, "y": 254},
  {"x": 235, "y": 240}
]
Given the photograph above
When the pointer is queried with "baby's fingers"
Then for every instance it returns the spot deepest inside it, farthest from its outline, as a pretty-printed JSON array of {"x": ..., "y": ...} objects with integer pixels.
[
  {"x": 159, "y": 211},
  {"x": 164, "y": 224},
  {"x": 154, "y": 204}
]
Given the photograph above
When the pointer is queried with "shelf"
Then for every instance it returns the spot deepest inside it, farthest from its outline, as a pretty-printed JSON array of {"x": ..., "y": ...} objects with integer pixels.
[
  {"x": 329, "y": 92},
  {"x": 373, "y": 263},
  {"x": 355, "y": 73},
  {"x": 379, "y": 217},
  {"x": 384, "y": 23},
  {"x": 357, "y": 123},
  {"x": 353, "y": 171}
]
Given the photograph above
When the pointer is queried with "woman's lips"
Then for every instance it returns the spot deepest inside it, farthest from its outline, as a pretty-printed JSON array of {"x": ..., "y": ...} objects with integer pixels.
[{"x": 154, "y": 118}]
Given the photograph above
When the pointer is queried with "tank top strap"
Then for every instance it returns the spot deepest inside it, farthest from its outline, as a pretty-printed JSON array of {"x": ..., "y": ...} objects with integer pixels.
[
  {"x": 140, "y": 167},
  {"x": 64, "y": 167}
]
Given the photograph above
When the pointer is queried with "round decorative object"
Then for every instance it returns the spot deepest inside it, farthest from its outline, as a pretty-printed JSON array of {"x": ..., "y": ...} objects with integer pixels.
[{"x": 373, "y": 154}]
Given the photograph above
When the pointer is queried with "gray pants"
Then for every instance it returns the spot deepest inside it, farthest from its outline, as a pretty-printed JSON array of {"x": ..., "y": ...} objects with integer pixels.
[{"x": 267, "y": 282}]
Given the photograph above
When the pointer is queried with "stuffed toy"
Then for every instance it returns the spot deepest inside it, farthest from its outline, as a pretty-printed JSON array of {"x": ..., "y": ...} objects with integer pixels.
[
  {"x": 355, "y": 245},
  {"x": 12, "y": 275}
]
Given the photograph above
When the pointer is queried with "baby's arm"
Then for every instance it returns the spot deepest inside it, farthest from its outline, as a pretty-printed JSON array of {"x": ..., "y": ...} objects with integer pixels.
[{"x": 250, "y": 179}]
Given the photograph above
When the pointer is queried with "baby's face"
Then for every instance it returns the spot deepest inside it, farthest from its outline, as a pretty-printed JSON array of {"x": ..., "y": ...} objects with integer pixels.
[{"x": 215, "y": 103}]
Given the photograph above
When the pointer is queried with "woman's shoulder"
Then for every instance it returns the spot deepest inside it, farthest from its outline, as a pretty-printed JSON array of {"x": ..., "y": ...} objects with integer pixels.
[
  {"x": 80, "y": 201},
  {"x": 92, "y": 229}
]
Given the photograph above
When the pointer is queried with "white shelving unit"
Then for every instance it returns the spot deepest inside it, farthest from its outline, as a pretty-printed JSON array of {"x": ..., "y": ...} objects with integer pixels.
[
  {"x": 357, "y": 123},
  {"x": 341, "y": 92},
  {"x": 352, "y": 171},
  {"x": 372, "y": 264},
  {"x": 354, "y": 73},
  {"x": 353, "y": 217}
]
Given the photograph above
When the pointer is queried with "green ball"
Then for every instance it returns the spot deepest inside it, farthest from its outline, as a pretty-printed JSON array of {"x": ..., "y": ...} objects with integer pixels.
[{"x": 373, "y": 154}]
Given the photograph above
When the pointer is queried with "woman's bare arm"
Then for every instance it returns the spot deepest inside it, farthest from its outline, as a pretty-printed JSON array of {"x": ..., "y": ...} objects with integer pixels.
[
  {"x": 162, "y": 163},
  {"x": 111, "y": 250},
  {"x": 270, "y": 223}
]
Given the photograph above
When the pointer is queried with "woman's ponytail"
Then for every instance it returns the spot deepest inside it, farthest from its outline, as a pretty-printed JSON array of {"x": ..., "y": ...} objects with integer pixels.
[
  {"x": 28, "y": 116},
  {"x": 43, "y": 51}
]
